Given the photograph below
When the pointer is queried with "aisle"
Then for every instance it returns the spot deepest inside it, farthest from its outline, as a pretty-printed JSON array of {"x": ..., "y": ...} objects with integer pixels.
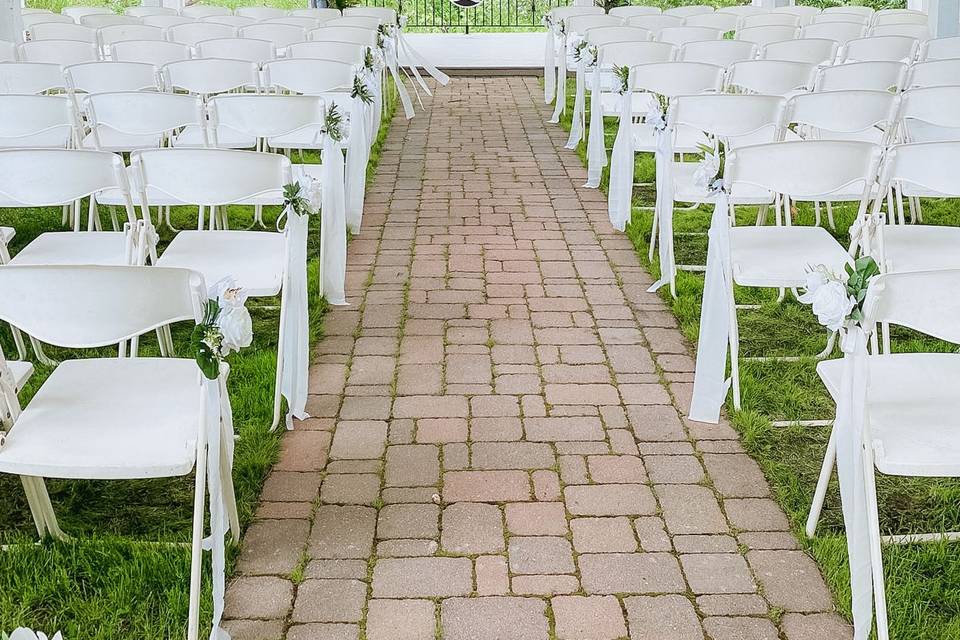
[{"x": 506, "y": 402}]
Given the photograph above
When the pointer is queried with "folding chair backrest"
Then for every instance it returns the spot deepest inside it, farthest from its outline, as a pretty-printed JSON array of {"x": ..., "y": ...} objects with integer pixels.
[
  {"x": 364, "y": 22},
  {"x": 842, "y": 32},
  {"x": 744, "y": 10},
  {"x": 935, "y": 73},
  {"x": 765, "y": 35},
  {"x": 308, "y": 76},
  {"x": 562, "y": 13},
  {"x": 771, "y": 77},
  {"x": 804, "y": 13},
  {"x": 930, "y": 114},
  {"x": 194, "y": 32},
  {"x": 343, "y": 34},
  {"x": 260, "y": 13},
  {"x": 635, "y": 10},
  {"x": 207, "y": 76},
  {"x": 211, "y": 176},
  {"x": 679, "y": 36},
  {"x": 51, "y": 177},
  {"x": 123, "y": 32},
  {"x": 925, "y": 301},
  {"x": 873, "y": 76},
  {"x": 96, "y": 306},
  {"x": 385, "y": 14},
  {"x": 859, "y": 10},
  {"x": 769, "y": 20},
  {"x": 8, "y": 51},
  {"x": 918, "y": 31},
  {"x": 63, "y": 31},
  {"x": 631, "y": 54},
  {"x": 143, "y": 12},
  {"x": 816, "y": 51},
  {"x": 600, "y": 36},
  {"x": 581, "y": 24},
  {"x": 655, "y": 23},
  {"x": 689, "y": 10},
  {"x": 142, "y": 113},
  {"x": 237, "y": 22},
  {"x": 322, "y": 14},
  {"x": 923, "y": 166},
  {"x": 723, "y": 21},
  {"x": 28, "y": 78},
  {"x": 36, "y": 122},
  {"x": 347, "y": 52},
  {"x": 165, "y": 21},
  {"x": 99, "y": 21},
  {"x": 247, "y": 49},
  {"x": 940, "y": 48},
  {"x": 30, "y": 20},
  {"x": 851, "y": 18},
  {"x": 900, "y": 16},
  {"x": 267, "y": 116},
  {"x": 844, "y": 112},
  {"x": 880, "y": 48},
  {"x": 61, "y": 52},
  {"x": 729, "y": 117},
  {"x": 202, "y": 11},
  {"x": 297, "y": 21},
  {"x": 77, "y": 12},
  {"x": 719, "y": 52},
  {"x": 829, "y": 166},
  {"x": 677, "y": 78},
  {"x": 155, "y": 52},
  {"x": 100, "y": 77},
  {"x": 281, "y": 35}
]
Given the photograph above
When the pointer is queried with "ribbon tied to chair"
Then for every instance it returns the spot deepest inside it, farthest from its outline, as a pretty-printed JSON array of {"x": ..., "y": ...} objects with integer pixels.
[
  {"x": 561, "y": 106},
  {"x": 585, "y": 60},
  {"x": 620, "y": 190},
  {"x": 596, "y": 141},
  {"x": 390, "y": 55},
  {"x": 663, "y": 208},
  {"x": 358, "y": 155}
]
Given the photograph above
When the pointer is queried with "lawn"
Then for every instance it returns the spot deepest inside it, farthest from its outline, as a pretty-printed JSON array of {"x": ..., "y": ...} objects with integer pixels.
[
  {"x": 923, "y": 580},
  {"x": 110, "y": 582}
]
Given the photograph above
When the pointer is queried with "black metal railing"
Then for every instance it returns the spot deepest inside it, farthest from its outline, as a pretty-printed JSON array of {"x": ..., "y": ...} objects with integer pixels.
[{"x": 490, "y": 15}]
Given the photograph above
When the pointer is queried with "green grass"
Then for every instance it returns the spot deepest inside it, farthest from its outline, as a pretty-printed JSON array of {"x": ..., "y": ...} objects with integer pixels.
[
  {"x": 923, "y": 581},
  {"x": 109, "y": 583}
]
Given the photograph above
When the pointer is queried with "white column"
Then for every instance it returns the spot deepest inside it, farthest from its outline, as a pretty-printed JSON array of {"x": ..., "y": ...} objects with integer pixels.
[{"x": 944, "y": 17}]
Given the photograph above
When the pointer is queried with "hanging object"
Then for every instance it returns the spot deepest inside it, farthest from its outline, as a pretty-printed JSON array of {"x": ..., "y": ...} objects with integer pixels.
[{"x": 466, "y": 4}]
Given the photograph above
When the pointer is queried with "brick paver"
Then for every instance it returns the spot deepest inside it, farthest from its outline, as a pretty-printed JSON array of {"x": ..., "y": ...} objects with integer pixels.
[{"x": 498, "y": 449}]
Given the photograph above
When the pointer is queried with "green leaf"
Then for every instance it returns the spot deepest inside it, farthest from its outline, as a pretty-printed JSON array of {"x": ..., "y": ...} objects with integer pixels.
[{"x": 207, "y": 360}]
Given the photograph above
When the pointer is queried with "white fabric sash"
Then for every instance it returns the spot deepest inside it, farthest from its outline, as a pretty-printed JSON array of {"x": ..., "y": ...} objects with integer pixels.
[
  {"x": 333, "y": 224},
  {"x": 620, "y": 192},
  {"x": 417, "y": 60},
  {"x": 579, "y": 104},
  {"x": 550, "y": 67},
  {"x": 358, "y": 155},
  {"x": 709, "y": 379},
  {"x": 596, "y": 142},
  {"x": 664, "y": 210},
  {"x": 390, "y": 56},
  {"x": 561, "y": 106},
  {"x": 296, "y": 320},
  {"x": 848, "y": 430}
]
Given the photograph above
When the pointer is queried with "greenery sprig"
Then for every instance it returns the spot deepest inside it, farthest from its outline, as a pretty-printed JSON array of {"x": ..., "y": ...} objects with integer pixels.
[
  {"x": 293, "y": 197},
  {"x": 623, "y": 74},
  {"x": 369, "y": 62},
  {"x": 858, "y": 280},
  {"x": 361, "y": 90},
  {"x": 333, "y": 123},
  {"x": 206, "y": 341}
]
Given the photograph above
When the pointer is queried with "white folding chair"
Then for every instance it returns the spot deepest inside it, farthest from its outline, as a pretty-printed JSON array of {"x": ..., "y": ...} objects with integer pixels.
[
  {"x": 899, "y": 16},
  {"x": 688, "y": 10},
  {"x": 934, "y": 73},
  {"x": 345, "y": 52},
  {"x": 880, "y": 49},
  {"x": 846, "y": 18},
  {"x": 62, "y": 31},
  {"x": 744, "y": 10},
  {"x": 635, "y": 10},
  {"x": 260, "y": 13},
  {"x": 75, "y": 13},
  {"x": 626, "y": 54},
  {"x": 842, "y": 32},
  {"x": 722, "y": 53},
  {"x": 917, "y": 31},
  {"x": 344, "y": 34},
  {"x": 857, "y": 10},
  {"x": 307, "y": 76},
  {"x": 61, "y": 52},
  {"x": 29, "y": 20},
  {"x": 101, "y": 77},
  {"x": 600, "y": 36},
  {"x": 107, "y": 36},
  {"x": 654, "y": 23},
  {"x": 770, "y": 77},
  {"x": 929, "y": 114},
  {"x": 385, "y": 14},
  {"x": 769, "y": 20},
  {"x": 194, "y": 32},
  {"x": 323, "y": 14},
  {"x": 872, "y": 76},
  {"x": 98, "y": 21},
  {"x": 364, "y": 22},
  {"x": 304, "y": 23},
  {"x": 815, "y": 51},
  {"x": 761, "y": 36},
  {"x": 679, "y": 36},
  {"x": 130, "y": 121},
  {"x": 143, "y": 12},
  {"x": 725, "y": 22},
  {"x": 34, "y": 122},
  {"x": 155, "y": 52},
  {"x": 805, "y": 13},
  {"x": 198, "y": 11},
  {"x": 237, "y": 22},
  {"x": 909, "y": 408},
  {"x": 940, "y": 48},
  {"x": 30, "y": 78},
  {"x": 256, "y": 260},
  {"x": 281, "y": 35},
  {"x": 78, "y": 426},
  {"x": 247, "y": 49},
  {"x": 208, "y": 76},
  {"x": 166, "y": 21}
]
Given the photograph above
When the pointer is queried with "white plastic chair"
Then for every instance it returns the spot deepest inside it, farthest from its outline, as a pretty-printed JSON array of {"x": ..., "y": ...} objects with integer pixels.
[
  {"x": 155, "y": 52},
  {"x": 765, "y": 35},
  {"x": 816, "y": 51},
  {"x": 78, "y": 426},
  {"x": 101, "y": 77},
  {"x": 628, "y": 54},
  {"x": 143, "y": 12},
  {"x": 744, "y": 10},
  {"x": 237, "y": 22},
  {"x": 98, "y": 21},
  {"x": 580, "y": 25},
  {"x": 166, "y": 21},
  {"x": 654, "y": 23},
  {"x": 899, "y": 16},
  {"x": 364, "y": 22},
  {"x": 929, "y": 114},
  {"x": 935, "y": 73},
  {"x": 880, "y": 48},
  {"x": 679, "y": 36},
  {"x": 940, "y": 48},
  {"x": 634, "y": 11},
  {"x": 858, "y": 10},
  {"x": 725, "y": 22},
  {"x": 872, "y": 76},
  {"x": 719, "y": 52},
  {"x": 918, "y": 31},
  {"x": 198, "y": 11},
  {"x": 281, "y": 35},
  {"x": 62, "y": 31},
  {"x": 29, "y": 20},
  {"x": 307, "y": 24},
  {"x": 769, "y": 20},
  {"x": 247, "y": 49},
  {"x": 130, "y": 121},
  {"x": 75, "y": 13},
  {"x": 600, "y": 36},
  {"x": 910, "y": 410},
  {"x": 30, "y": 78},
  {"x": 343, "y": 34},
  {"x": 323, "y": 14},
  {"x": 805, "y": 13},
  {"x": 107, "y": 36},
  {"x": 386, "y": 14},
  {"x": 688, "y": 10},
  {"x": 842, "y": 32},
  {"x": 308, "y": 76},
  {"x": 260, "y": 13},
  {"x": 771, "y": 77},
  {"x": 851, "y": 18},
  {"x": 195, "y": 32},
  {"x": 61, "y": 52},
  {"x": 346, "y": 52},
  {"x": 33, "y": 122},
  {"x": 208, "y": 76}
]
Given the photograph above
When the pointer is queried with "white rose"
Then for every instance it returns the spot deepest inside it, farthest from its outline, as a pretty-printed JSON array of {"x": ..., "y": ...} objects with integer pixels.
[
  {"x": 234, "y": 321},
  {"x": 707, "y": 170},
  {"x": 815, "y": 279},
  {"x": 22, "y": 633},
  {"x": 655, "y": 117},
  {"x": 831, "y": 304}
]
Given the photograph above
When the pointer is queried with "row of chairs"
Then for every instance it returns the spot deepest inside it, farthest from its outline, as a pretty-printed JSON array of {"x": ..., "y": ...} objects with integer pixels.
[{"x": 805, "y": 13}]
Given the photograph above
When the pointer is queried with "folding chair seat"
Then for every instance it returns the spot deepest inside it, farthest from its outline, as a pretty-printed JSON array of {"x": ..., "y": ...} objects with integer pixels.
[
  {"x": 842, "y": 18},
  {"x": 63, "y": 31},
  {"x": 28, "y": 121},
  {"x": 107, "y": 36},
  {"x": 346, "y": 52},
  {"x": 27, "y": 78},
  {"x": 934, "y": 73},
  {"x": 679, "y": 36},
  {"x": 155, "y": 52},
  {"x": 30, "y": 19},
  {"x": 128, "y": 121},
  {"x": 75, "y": 13},
  {"x": 308, "y": 76},
  {"x": 357, "y": 35},
  {"x": 771, "y": 77},
  {"x": 761, "y": 36},
  {"x": 899, "y": 16},
  {"x": 928, "y": 114},
  {"x": 98, "y": 21},
  {"x": 320, "y": 13},
  {"x": 916, "y": 31},
  {"x": 281, "y": 35},
  {"x": 161, "y": 423},
  {"x": 194, "y": 32}
]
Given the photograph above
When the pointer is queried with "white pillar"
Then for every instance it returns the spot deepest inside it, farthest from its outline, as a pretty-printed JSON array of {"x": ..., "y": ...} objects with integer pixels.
[{"x": 944, "y": 17}]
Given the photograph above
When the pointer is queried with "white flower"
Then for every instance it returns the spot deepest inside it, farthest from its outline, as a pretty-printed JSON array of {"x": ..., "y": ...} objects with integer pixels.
[
  {"x": 655, "y": 118},
  {"x": 310, "y": 189},
  {"x": 829, "y": 299},
  {"x": 707, "y": 170},
  {"x": 236, "y": 326},
  {"x": 22, "y": 633}
]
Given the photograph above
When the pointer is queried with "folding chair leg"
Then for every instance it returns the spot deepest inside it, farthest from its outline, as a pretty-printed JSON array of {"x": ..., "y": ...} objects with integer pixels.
[
  {"x": 166, "y": 214},
  {"x": 653, "y": 235},
  {"x": 830, "y": 215},
  {"x": 113, "y": 218},
  {"x": 18, "y": 340},
  {"x": 196, "y": 549},
  {"x": 29, "y": 490},
  {"x": 40, "y": 506},
  {"x": 816, "y": 213},
  {"x": 876, "y": 557},
  {"x": 826, "y": 472},
  {"x": 277, "y": 397},
  {"x": 41, "y": 356}
]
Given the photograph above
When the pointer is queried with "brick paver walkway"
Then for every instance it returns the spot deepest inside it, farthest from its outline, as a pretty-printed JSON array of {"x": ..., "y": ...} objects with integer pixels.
[{"x": 499, "y": 452}]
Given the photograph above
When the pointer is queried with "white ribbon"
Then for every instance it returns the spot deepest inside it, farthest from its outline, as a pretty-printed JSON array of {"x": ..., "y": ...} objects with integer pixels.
[
  {"x": 710, "y": 383},
  {"x": 561, "y": 107},
  {"x": 848, "y": 431},
  {"x": 333, "y": 224},
  {"x": 663, "y": 209},
  {"x": 550, "y": 66},
  {"x": 579, "y": 104},
  {"x": 390, "y": 55},
  {"x": 358, "y": 152},
  {"x": 596, "y": 142},
  {"x": 417, "y": 60},
  {"x": 620, "y": 192}
]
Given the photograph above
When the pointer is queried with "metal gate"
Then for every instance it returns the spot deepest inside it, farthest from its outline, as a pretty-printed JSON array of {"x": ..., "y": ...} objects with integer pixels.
[{"x": 490, "y": 15}]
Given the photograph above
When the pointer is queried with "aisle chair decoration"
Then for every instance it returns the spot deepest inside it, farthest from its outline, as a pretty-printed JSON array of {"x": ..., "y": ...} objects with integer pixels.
[
  {"x": 358, "y": 152},
  {"x": 620, "y": 190},
  {"x": 554, "y": 32},
  {"x": 387, "y": 45},
  {"x": 663, "y": 207},
  {"x": 333, "y": 222},
  {"x": 596, "y": 138},
  {"x": 586, "y": 56},
  {"x": 415, "y": 59},
  {"x": 560, "y": 31}
]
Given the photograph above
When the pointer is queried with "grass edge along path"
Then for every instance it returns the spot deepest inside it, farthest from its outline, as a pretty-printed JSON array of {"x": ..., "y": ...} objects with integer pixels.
[{"x": 922, "y": 580}]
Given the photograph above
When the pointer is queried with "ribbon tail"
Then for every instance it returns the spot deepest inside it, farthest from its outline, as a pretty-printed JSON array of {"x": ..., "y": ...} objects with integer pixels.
[
  {"x": 412, "y": 64},
  {"x": 392, "y": 64},
  {"x": 596, "y": 142},
  {"x": 579, "y": 107},
  {"x": 218, "y": 417},
  {"x": 561, "y": 106},
  {"x": 296, "y": 321},
  {"x": 333, "y": 219},
  {"x": 550, "y": 68},
  {"x": 664, "y": 208},
  {"x": 709, "y": 378},
  {"x": 620, "y": 193},
  {"x": 418, "y": 60},
  {"x": 356, "y": 179}
]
